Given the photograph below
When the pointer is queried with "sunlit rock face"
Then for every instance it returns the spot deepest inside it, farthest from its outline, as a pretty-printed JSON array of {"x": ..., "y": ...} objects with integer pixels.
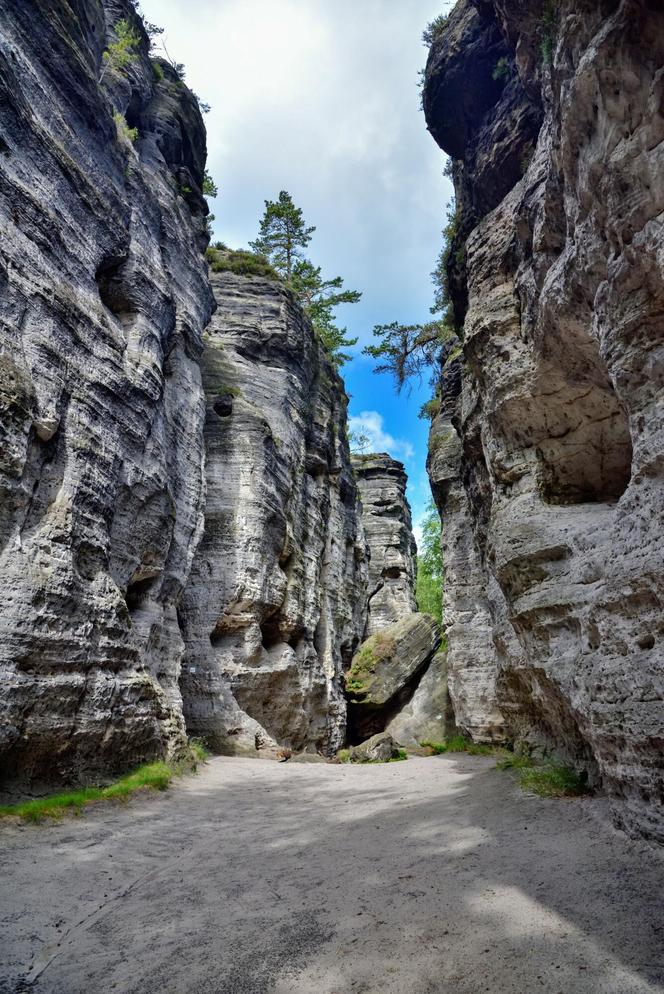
[
  {"x": 103, "y": 300},
  {"x": 388, "y": 529},
  {"x": 276, "y": 602},
  {"x": 549, "y": 478}
]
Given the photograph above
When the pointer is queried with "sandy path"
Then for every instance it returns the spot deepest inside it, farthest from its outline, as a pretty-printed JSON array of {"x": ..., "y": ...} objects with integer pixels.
[{"x": 433, "y": 875}]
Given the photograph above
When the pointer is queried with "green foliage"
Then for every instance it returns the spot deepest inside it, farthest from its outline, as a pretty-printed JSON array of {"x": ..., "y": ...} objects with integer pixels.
[
  {"x": 209, "y": 186},
  {"x": 429, "y": 587},
  {"x": 458, "y": 743},
  {"x": 343, "y": 755},
  {"x": 547, "y": 30},
  {"x": 437, "y": 748},
  {"x": 282, "y": 234},
  {"x": 319, "y": 299},
  {"x": 198, "y": 750},
  {"x": 400, "y": 756},
  {"x": 124, "y": 132},
  {"x": 501, "y": 69},
  {"x": 282, "y": 237},
  {"x": 123, "y": 51},
  {"x": 156, "y": 776},
  {"x": 241, "y": 261},
  {"x": 429, "y": 410},
  {"x": 157, "y": 71},
  {"x": 407, "y": 350},
  {"x": 433, "y": 30},
  {"x": 553, "y": 781}
]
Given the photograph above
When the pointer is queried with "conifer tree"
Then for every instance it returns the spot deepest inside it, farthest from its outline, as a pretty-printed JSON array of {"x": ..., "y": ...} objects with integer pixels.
[{"x": 282, "y": 235}]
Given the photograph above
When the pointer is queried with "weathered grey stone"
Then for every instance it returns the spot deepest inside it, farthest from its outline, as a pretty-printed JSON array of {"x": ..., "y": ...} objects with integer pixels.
[
  {"x": 276, "y": 599},
  {"x": 388, "y": 529},
  {"x": 380, "y": 748},
  {"x": 428, "y": 716},
  {"x": 550, "y": 484},
  {"x": 387, "y": 661},
  {"x": 103, "y": 299}
]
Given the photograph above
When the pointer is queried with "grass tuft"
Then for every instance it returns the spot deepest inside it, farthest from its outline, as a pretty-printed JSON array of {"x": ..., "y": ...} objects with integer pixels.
[
  {"x": 150, "y": 776},
  {"x": 458, "y": 743},
  {"x": 400, "y": 756},
  {"x": 554, "y": 781}
]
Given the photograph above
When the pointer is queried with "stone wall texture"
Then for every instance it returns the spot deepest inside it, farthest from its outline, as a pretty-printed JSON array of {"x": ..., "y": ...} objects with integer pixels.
[
  {"x": 547, "y": 457},
  {"x": 103, "y": 300},
  {"x": 389, "y": 534},
  {"x": 276, "y": 602}
]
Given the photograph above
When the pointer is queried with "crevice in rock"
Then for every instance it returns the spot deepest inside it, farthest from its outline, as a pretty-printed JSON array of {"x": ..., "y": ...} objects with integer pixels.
[{"x": 138, "y": 592}]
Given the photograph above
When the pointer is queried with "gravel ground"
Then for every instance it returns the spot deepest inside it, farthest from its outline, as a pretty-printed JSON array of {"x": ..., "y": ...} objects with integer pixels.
[{"x": 431, "y": 876}]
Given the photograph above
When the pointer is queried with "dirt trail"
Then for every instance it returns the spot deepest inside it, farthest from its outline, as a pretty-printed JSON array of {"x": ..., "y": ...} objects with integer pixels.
[{"x": 433, "y": 876}]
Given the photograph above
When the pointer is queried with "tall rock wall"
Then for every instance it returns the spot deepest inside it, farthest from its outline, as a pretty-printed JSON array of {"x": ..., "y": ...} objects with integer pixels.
[
  {"x": 103, "y": 300},
  {"x": 276, "y": 601},
  {"x": 388, "y": 529},
  {"x": 549, "y": 455}
]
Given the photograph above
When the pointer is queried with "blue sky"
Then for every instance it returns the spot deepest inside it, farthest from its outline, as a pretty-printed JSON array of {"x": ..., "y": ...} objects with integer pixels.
[{"x": 319, "y": 97}]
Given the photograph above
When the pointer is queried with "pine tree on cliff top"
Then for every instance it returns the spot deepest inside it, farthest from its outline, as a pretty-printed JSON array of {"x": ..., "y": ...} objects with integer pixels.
[{"x": 282, "y": 235}]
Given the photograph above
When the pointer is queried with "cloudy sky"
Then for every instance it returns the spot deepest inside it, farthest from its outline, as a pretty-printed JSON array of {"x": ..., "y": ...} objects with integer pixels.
[{"x": 320, "y": 98}]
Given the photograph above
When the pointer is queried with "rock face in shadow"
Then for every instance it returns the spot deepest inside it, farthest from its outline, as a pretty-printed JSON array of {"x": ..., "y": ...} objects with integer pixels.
[
  {"x": 550, "y": 453},
  {"x": 103, "y": 300},
  {"x": 276, "y": 601},
  {"x": 389, "y": 534}
]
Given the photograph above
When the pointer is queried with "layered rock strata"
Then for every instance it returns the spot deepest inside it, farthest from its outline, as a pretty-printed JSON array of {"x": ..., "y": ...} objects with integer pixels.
[
  {"x": 276, "y": 602},
  {"x": 103, "y": 300},
  {"x": 549, "y": 467},
  {"x": 388, "y": 529}
]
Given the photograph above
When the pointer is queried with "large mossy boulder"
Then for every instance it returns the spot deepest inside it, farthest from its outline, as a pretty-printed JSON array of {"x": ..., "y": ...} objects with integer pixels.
[{"x": 387, "y": 661}]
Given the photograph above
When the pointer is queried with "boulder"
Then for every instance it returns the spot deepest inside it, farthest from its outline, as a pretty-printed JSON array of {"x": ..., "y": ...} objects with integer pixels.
[
  {"x": 387, "y": 661},
  {"x": 378, "y": 749},
  {"x": 428, "y": 716}
]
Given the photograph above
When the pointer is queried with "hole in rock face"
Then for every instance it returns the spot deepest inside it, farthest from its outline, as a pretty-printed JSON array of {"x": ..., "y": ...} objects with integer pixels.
[
  {"x": 270, "y": 632},
  {"x": 223, "y": 405},
  {"x": 138, "y": 592},
  {"x": 113, "y": 288}
]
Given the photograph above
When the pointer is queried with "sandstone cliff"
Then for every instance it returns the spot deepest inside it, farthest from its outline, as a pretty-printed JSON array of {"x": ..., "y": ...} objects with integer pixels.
[
  {"x": 388, "y": 529},
  {"x": 103, "y": 300},
  {"x": 548, "y": 455},
  {"x": 276, "y": 601}
]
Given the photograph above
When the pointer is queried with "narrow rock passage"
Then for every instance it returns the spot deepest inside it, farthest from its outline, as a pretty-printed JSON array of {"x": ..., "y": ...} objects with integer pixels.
[{"x": 432, "y": 875}]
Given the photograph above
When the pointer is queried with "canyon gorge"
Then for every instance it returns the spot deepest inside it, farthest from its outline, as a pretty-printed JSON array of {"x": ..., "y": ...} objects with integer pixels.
[{"x": 188, "y": 548}]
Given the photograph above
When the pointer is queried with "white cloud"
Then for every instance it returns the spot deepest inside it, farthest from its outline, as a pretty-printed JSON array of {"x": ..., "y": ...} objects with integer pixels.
[{"x": 370, "y": 423}]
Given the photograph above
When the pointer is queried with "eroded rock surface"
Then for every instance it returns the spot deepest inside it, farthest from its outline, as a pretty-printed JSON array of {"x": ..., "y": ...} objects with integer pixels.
[
  {"x": 428, "y": 716},
  {"x": 276, "y": 601},
  {"x": 103, "y": 300},
  {"x": 388, "y": 529},
  {"x": 549, "y": 468}
]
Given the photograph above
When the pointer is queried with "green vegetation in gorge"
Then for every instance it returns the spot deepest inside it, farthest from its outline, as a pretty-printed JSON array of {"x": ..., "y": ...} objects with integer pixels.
[
  {"x": 429, "y": 588},
  {"x": 282, "y": 238},
  {"x": 458, "y": 743},
  {"x": 123, "y": 51},
  {"x": 149, "y": 776}
]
